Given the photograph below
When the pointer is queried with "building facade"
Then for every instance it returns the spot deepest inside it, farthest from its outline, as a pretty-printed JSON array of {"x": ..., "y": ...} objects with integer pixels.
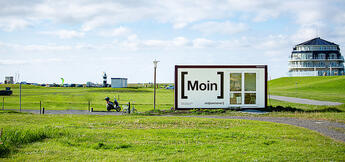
[
  {"x": 316, "y": 57},
  {"x": 9, "y": 80},
  {"x": 118, "y": 82}
]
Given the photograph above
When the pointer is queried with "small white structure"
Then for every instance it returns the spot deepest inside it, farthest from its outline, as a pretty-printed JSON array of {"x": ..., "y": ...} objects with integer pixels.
[{"x": 118, "y": 82}]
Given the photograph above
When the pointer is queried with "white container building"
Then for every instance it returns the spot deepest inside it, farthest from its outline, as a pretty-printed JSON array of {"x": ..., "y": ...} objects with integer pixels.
[{"x": 119, "y": 82}]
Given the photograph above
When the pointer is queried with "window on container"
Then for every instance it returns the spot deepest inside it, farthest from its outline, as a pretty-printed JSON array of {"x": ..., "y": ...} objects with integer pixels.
[
  {"x": 235, "y": 88},
  {"x": 242, "y": 88},
  {"x": 250, "y": 81},
  {"x": 250, "y": 88},
  {"x": 235, "y": 98},
  {"x": 235, "y": 82}
]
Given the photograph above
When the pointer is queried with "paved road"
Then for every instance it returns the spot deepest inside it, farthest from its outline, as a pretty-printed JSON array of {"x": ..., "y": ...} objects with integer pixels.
[{"x": 304, "y": 101}]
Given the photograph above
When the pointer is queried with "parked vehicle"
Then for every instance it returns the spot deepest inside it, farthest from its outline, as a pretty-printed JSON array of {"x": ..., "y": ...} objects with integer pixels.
[
  {"x": 169, "y": 87},
  {"x": 112, "y": 105},
  {"x": 6, "y": 92}
]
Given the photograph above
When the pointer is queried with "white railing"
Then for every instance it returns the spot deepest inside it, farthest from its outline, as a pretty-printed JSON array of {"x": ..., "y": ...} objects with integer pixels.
[
  {"x": 338, "y": 59},
  {"x": 301, "y": 66},
  {"x": 304, "y": 73}
]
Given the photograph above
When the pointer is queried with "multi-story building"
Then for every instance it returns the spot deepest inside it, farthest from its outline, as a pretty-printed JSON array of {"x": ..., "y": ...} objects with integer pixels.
[{"x": 316, "y": 57}]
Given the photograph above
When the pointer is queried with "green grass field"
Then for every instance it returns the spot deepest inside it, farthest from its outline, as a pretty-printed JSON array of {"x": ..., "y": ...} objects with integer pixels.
[
  {"x": 62, "y": 98},
  {"x": 30, "y": 137},
  {"x": 319, "y": 88}
]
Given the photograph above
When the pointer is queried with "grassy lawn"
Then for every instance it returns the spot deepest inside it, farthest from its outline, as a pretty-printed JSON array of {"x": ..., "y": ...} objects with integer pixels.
[
  {"x": 319, "y": 88},
  {"x": 62, "y": 98},
  {"x": 30, "y": 137},
  {"x": 323, "y": 88}
]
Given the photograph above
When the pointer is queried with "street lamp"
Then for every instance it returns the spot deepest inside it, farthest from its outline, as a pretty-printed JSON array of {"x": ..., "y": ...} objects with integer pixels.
[{"x": 155, "y": 62}]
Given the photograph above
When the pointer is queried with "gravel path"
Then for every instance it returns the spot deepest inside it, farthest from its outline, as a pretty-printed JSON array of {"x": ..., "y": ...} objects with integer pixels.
[
  {"x": 304, "y": 101},
  {"x": 332, "y": 129}
]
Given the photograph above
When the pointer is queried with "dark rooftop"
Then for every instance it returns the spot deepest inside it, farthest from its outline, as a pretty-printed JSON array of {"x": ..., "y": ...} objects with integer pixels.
[{"x": 317, "y": 41}]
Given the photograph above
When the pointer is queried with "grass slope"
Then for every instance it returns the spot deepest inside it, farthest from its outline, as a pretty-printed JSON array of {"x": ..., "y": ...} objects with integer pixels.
[
  {"x": 324, "y": 88},
  {"x": 141, "y": 138}
]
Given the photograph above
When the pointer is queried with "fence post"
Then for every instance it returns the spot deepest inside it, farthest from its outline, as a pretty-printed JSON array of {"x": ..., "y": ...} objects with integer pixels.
[
  {"x": 40, "y": 107},
  {"x": 89, "y": 106},
  {"x": 129, "y": 107},
  {"x": 43, "y": 110},
  {"x": 3, "y": 103},
  {"x": 20, "y": 97},
  {"x": 1, "y": 136},
  {"x": 91, "y": 109}
]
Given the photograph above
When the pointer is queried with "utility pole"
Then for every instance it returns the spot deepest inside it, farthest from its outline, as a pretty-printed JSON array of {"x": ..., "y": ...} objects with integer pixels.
[
  {"x": 20, "y": 97},
  {"x": 155, "y": 62}
]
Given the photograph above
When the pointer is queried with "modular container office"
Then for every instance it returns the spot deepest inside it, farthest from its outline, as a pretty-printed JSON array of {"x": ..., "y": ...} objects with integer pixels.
[{"x": 220, "y": 86}]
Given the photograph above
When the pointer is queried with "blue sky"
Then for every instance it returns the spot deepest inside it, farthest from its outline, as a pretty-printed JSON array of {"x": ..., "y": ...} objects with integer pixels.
[{"x": 45, "y": 40}]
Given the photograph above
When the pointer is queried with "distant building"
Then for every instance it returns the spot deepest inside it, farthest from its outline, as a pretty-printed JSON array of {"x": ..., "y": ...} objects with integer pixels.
[
  {"x": 118, "y": 82},
  {"x": 90, "y": 84},
  {"x": 316, "y": 57},
  {"x": 104, "y": 79},
  {"x": 9, "y": 80}
]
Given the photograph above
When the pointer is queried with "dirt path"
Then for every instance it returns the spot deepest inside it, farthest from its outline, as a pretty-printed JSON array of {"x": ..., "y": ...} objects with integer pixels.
[{"x": 304, "y": 101}]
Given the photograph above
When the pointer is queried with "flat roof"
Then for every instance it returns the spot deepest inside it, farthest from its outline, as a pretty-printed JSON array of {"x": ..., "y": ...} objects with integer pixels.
[{"x": 120, "y": 78}]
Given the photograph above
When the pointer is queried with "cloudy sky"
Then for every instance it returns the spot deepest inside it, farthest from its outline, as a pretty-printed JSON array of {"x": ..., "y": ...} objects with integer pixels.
[{"x": 44, "y": 40}]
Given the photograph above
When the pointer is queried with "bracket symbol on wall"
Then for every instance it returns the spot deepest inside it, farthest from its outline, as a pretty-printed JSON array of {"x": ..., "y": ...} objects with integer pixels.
[{"x": 221, "y": 96}]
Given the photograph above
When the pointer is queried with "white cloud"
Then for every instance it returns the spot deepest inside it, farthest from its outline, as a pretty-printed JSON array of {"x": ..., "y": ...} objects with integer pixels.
[
  {"x": 35, "y": 47},
  {"x": 180, "y": 41},
  {"x": 65, "y": 34},
  {"x": 203, "y": 43},
  {"x": 27, "y": 61},
  {"x": 179, "y": 25},
  {"x": 226, "y": 27},
  {"x": 305, "y": 33},
  {"x": 179, "y": 13},
  {"x": 117, "y": 32},
  {"x": 9, "y": 24},
  {"x": 134, "y": 43}
]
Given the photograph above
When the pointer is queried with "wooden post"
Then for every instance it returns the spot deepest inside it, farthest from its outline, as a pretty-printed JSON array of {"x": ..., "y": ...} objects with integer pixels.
[
  {"x": 40, "y": 107},
  {"x": 129, "y": 107},
  {"x": 91, "y": 109},
  {"x": 89, "y": 106},
  {"x": 3, "y": 103},
  {"x": 1, "y": 136},
  {"x": 43, "y": 110}
]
